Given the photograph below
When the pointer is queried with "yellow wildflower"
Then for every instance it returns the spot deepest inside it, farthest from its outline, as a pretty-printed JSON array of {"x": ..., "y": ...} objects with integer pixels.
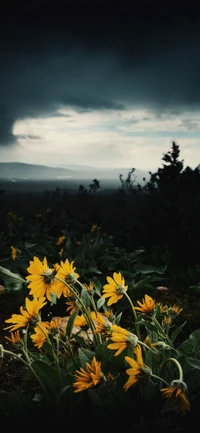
[
  {"x": 89, "y": 377},
  {"x": 137, "y": 368},
  {"x": 42, "y": 278},
  {"x": 14, "y": 337},
  {"x": 40, "y": 336},
  {"x": 115, "y": 288},
  {"x": 55, "y": 323},
  {"x": 66, "y": 271},
  {"x": 175, "y": 309},
  {"x": 72, "y": 305},
  {"x": 80, "y": 321},
  {"x": 42, "y": 331},
  {"x": 163, "y": 308},
  {"x": 122, "y": 339},
  {"x": 30, "y": 313},
  {"x": 176, "y": 392},
  {"x": 102, "y": 324},
  {"x": 60, "y": 240},
  {"x": 109, "y": 377},
  {"x": 166, "y": 320},
  {"x": 148, "y": 342},
  {"x": 89, "y": 287},
  {"x": 147, "y": 306},
  {"x": 13, "y": 252},
  {"x": 93, "y": 228},
  {"x": 109, "y": 313}
]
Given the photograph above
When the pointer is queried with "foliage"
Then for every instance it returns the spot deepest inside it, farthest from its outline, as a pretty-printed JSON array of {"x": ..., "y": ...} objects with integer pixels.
[
  {"x": 150, "y": 236},
  {"x": 89, "y": 358}
]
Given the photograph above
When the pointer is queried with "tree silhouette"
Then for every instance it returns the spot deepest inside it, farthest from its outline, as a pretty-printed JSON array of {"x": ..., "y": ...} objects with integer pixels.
[
  {"x": 166, "y": 177},
  {"x": 128, "y": 185},
  {"x": 94, "y": 186},
  {"x": 82, "y": 191}
]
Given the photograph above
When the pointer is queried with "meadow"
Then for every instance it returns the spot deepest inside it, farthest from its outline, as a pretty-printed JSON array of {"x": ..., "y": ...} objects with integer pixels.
[{"x": 100, "y": 302}]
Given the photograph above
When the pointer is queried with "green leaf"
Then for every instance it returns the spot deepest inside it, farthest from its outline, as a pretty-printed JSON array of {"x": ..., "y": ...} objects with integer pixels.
[
  {"x": 53, "y": 298},
  {"x": 48, "y": 375},
  {"x": 118, "y": 318},
  {"x": 70, "y": 323},
  {"x": 100, "y": 303},
  {"x": 110, "y": 263},
  {"x": 195, "y": 363},
  {"x": 29, "y": 245},
  {"x": 93, "y": 270},
  {"x": 80, "y": 340},
  {"x": 191, "y": 346},
  {"x": 70, "y": 366},
  {"x": 98, "y": 287},
  {"x": 48, "y": 348},
  {"x": 85, "y": 355},
  {"x": 177, "y": 331},
  {"x": 149, "y": 269},
  {"x": 104, "y": 352},
  {"x": 94, "y": 397},
  {"x": 64, "y": 391},
  {"x": 14, "y": 405},
  {"x": 196, "y": 287},
  {"x": 149, "y": 390},
  {"x": 85, "y": 298},
  {"x": 13, "y": 275},
  {"x": 12, "y": 281},
  {"x": 147, "y": 324}
]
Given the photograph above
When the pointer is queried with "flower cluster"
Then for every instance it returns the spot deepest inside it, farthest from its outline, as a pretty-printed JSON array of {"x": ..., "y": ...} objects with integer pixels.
[{"x": 90, "y": 324}]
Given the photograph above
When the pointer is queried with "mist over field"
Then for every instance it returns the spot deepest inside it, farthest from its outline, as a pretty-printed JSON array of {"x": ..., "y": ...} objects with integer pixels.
[{"x": 20, "y": 177}]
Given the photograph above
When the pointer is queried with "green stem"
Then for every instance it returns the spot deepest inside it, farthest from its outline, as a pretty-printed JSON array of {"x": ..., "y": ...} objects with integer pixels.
[
  {"x": 25, "y": 352},
  {"x": 53, "y": 352},
  {"x": 90, "y": 298},
  {"x": 57, "y": 344},
  {"x": 84, "y": 309},
  {"x": 88, "y": 339},
  {"x": 178, "y": 365},
  {"x": 162, "y": 333},
  {"x": 28, "y": 365},
  {"x": 68, "y": 347},
  {"x": 160, "y": 378},
  {"x": 147, "y": 347},
  {"x": 92, "y": 303},
  {"x": 134, "y": 314},
  {"x": 25, "y": 339},
  {"x": 96, "y": 311}
]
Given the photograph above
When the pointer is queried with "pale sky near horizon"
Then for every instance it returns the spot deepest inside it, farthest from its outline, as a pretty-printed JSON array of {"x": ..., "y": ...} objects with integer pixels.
[{"x": 89, "y": 85}]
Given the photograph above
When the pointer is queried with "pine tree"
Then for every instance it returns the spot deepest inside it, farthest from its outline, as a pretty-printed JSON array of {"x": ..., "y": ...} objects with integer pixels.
[{"x": 165, "y": 179}]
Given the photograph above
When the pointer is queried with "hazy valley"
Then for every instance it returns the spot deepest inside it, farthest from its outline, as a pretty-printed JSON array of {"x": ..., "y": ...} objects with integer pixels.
[{"x": 21, "y": 177}]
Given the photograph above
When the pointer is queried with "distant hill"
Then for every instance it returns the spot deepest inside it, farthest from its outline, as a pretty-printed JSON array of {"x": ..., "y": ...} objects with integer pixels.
[{"x": 23, "y": 171}]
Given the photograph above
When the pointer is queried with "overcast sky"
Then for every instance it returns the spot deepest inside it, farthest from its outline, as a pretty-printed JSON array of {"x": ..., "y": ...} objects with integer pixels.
[{"x": 98, "y": 84}]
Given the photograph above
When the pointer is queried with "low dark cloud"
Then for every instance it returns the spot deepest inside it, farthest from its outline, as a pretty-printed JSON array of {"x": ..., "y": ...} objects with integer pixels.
[
  {"x": 190, "y": 125},
  {"x": 29, "y": 136},
  {"x": 96, "y": 55}
]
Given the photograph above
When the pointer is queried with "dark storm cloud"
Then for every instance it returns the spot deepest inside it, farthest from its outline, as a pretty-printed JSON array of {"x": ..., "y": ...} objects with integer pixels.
[{"x": 93, "y": 55}]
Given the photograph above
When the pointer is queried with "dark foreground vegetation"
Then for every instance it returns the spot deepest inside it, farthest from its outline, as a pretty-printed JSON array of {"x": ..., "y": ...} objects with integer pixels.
[
  {"x": 150, "y": 233},
  {"x": 161, "y": 218}
]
